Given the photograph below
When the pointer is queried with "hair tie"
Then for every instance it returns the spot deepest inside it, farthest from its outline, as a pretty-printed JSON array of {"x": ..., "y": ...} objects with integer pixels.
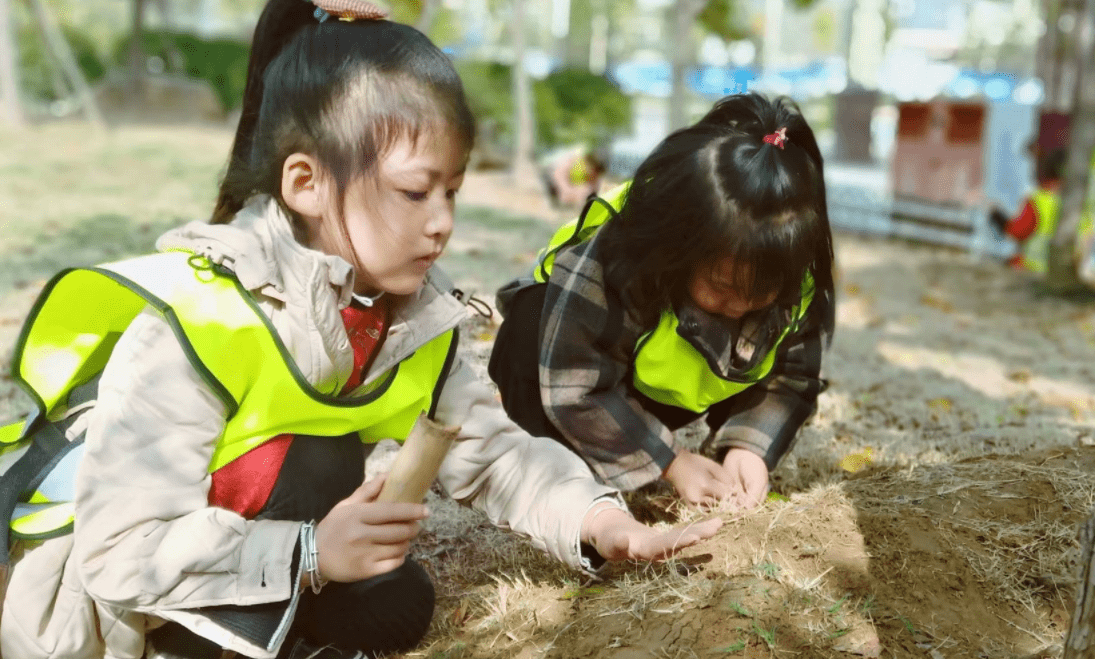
[
  {"x": 348, "y": 10},
  {"x": 777, "y": 138}
]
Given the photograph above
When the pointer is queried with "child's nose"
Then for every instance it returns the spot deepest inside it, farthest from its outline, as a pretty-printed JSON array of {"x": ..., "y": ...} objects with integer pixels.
[{"x": 441, "y": 222}]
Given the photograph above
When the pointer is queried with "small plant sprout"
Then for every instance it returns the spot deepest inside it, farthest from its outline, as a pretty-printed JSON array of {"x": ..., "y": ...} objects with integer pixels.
[
  {"x": 766, "y": 635},
  {"x": 734, "y": 647},
  {"x": 740, "y": 609},
  {"x": 840, "y": 602},
  {"x": 768, "y": 569}
]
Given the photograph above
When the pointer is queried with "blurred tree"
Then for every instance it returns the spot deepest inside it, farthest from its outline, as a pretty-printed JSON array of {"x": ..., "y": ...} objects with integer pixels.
[
  {"x": 523, "y": 166},
  {"x": 42, "y": 74},
  {"x": 1062, "y": 273},
  {"x": 58, "y": 48},
  {"x": 578, "y": 106},
  {"x": 719, "y": 17},
  {"x": 575, "y": 45},
  {"x": 136, "y": 44},
  {"x": 222, "y": 62},
  {"x": 682, "y": 56},
  {"x": 10, "y": 108},
  {"x": 427, "y": 15}
]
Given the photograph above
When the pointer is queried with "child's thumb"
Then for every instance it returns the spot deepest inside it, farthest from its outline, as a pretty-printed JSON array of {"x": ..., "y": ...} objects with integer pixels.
[{"x": 367, "y": 492}]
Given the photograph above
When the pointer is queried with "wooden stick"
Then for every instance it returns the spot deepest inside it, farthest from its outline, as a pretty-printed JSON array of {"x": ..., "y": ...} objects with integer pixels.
[{"x": 418, "y": 461}]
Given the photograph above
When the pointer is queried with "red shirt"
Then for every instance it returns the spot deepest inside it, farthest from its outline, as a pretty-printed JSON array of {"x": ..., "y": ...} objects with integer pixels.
[
  {"x": 244, "y": 484},
  {"x": 1025, "y": 223}
]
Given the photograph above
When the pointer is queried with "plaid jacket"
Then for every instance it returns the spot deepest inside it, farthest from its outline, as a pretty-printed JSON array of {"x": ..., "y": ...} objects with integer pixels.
[{"x": 587, "y": 340}]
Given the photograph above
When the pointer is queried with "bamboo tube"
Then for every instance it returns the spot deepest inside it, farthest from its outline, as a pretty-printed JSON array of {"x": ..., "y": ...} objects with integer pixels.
[{"x": 418, "y": 461}]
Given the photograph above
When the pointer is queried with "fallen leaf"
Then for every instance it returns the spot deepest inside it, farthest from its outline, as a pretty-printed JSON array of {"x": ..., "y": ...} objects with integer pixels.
[{"x": 857, "y": 461}]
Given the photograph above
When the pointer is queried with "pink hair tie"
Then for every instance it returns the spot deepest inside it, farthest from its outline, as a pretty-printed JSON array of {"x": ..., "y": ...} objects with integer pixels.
[
  {"x": 349, "y": 10},
  {"x": 777, "y": 138}
]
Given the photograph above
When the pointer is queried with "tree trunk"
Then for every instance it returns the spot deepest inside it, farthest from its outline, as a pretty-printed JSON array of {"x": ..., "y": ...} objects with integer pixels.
[
  {"x": 429, "y": 14},
  {"x": 136, "y": 46},
  {"x": 10, "y": 108},
  {"x": 579, "y": 34},
  {"x": 523, "y": 168},
  {"x": 1080, "y": 642},
  {"x": 55, "y": 42},
  {"x": 1061, "y": 272},
  {"x": 1047, "y": 67},
  {"x": 682, "y": 56}
]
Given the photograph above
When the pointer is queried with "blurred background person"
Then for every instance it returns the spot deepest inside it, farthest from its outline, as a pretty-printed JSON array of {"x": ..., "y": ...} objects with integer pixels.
[
  {"x": 570, "y": 175},
  {"x": 1034, "y": 226}
]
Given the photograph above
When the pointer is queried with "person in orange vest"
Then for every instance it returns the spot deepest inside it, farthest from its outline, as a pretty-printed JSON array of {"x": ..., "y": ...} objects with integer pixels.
[{"x": 1033, "y": 227}]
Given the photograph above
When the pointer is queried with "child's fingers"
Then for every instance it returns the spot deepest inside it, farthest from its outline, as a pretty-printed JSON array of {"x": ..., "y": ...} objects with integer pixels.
[
  {"x": 690, "y": 534},
  {"x": 698, "y": 531},
  {"x": 388, "y": 513},
  {"x": 392, "y": 534},
  {"x": 715, "y": 490},
  {"x": 664, "y": 545},
  {"x": 376, "y": 568},
  {"x": 723, "y": 475},
  {"x": 367, "y": 491},
  {"x": 754, "y": 494}
]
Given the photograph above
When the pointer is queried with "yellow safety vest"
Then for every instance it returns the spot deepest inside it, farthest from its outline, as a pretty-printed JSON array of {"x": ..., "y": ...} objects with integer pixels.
[
  {"x": 667, "y": 367},
  {"x": 1047, "y": 206},
  {"x": 81, "y": 314}
]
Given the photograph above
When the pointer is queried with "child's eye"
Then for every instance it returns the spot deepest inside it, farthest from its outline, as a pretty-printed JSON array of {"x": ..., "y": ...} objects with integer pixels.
[{"x": 414, "y": 195}]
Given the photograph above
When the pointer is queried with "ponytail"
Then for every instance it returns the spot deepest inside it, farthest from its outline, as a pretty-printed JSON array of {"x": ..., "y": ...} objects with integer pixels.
[{"x": 277, "y": 25}]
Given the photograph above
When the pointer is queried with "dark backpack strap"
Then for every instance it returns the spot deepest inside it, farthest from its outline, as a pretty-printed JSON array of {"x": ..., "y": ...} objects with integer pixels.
[{"x": 46, "y": 441}]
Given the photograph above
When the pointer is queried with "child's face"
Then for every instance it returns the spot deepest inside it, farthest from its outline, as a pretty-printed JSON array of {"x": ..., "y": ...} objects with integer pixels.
[
  {"x": 400, "y": 220},
  {"x": 712, "y": 289}
]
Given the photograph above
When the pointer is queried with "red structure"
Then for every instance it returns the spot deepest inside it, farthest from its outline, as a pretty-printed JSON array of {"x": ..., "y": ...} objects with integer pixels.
[{"x": 938, "y": 156}]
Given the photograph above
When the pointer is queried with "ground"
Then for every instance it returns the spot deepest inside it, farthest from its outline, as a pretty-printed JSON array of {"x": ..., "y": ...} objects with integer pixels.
[{"x": 929, "y": 509}]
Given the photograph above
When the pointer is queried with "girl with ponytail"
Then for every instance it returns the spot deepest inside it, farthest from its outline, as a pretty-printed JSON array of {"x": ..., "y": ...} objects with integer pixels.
[
  {"x": 702, "y": 288},
  {"x": 192, "y": 484}
]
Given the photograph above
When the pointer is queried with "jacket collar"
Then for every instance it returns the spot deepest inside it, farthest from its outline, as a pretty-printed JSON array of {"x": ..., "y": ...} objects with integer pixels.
[{"x": 260, "y": 248}]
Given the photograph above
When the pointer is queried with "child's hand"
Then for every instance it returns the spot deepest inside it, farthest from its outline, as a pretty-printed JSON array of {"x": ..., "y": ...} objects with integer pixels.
[
  {"x": 749, "y": 474},
  {"x": 701, "y": 481},
  {"x": 360, "y": 538},
  {"x": 618, "y": 536}
]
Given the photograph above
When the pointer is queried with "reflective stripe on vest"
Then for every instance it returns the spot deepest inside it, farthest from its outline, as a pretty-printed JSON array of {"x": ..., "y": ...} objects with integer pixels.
[
  {"x": 668, "y": 369},
  {"x": 578, "y": 230},
  {"x": 82, "y": 313}
]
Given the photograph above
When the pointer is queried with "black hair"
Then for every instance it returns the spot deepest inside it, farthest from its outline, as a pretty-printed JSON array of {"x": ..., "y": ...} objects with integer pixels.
[
  {"x": 1051, "y": 166},
  {"x": 717, "y": 190},
  {"x": 342, "y": 91}
]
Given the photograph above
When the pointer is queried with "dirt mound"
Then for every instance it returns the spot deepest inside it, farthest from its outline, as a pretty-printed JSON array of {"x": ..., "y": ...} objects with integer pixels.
[{"x": 970, "y": 559}]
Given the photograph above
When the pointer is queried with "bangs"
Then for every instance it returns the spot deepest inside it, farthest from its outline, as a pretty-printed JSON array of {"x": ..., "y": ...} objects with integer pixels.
[
  {"x": 773, "y": 259},
  {"x": 378, "y": 111}
]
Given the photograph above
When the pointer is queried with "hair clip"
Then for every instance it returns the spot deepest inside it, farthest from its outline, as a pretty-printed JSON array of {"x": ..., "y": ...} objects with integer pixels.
[
  {"x": 777, "y": 138},
  {"x": 349, "y": 10}
]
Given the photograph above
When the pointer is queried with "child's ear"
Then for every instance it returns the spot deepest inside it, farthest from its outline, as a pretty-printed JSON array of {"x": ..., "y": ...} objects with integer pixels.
[{"x": 302, "y": 187}]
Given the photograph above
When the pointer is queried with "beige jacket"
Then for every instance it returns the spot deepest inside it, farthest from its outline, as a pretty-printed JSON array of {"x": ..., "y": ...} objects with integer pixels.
[{"x": 148, "y": 548}]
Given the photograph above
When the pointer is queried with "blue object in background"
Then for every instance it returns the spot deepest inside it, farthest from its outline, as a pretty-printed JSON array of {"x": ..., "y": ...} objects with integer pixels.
[
  {"x": 719, "y": 81},
  {"x": 1009, "y": 170}
]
